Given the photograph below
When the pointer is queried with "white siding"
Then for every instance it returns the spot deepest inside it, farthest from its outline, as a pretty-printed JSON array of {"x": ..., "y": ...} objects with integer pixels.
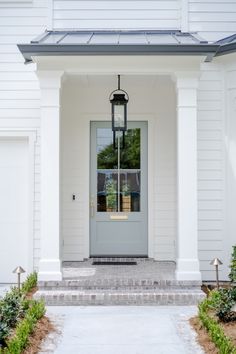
[
  {"x": 210, "y": 168},
  {"x": 19, "y": 89},
  {"x": 230, "y": 163},
  {"x": 212, "y": 19},
  {"x": 115, "y": 14}
]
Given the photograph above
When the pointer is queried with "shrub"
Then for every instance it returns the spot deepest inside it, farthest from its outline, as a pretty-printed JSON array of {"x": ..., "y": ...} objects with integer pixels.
[
  {"x": 11, "y": 307},
  {"x": 222, "y": 301},
  {"x": 232, "y": 274},
  {"x": 4, "y": 332},
  {"x": 24, "y": 328},
  {"x": 16, "y": 311},
  {"x": 216, "y": 333},
  {"x": 29, "y": 283}
]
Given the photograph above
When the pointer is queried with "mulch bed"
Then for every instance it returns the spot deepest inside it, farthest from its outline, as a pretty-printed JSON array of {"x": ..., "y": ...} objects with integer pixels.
[
  {"x": 42, "y": 329},
  {"x": 202, "y": 336}
]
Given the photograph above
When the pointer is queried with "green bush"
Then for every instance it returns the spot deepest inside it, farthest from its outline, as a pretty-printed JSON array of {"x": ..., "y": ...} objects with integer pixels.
[
  {"x": 216, "y": 333},
  {"x": 11, "y": 307},
  {"x": 4, "y": 332},
  {"x": 232, "y": 274},
  {"x": 222, "y": 301},
  {"x": 24, "y": 328},
  {"x": 16, "y": 311},
  {"x": 29, "y": 283}
]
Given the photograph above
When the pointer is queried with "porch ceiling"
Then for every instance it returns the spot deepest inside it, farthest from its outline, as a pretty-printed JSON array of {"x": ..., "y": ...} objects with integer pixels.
[{"x": 173, "y": 42}]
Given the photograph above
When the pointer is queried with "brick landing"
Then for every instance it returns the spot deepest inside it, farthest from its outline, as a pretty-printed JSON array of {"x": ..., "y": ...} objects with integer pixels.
[{"x": 147, "y": 283}]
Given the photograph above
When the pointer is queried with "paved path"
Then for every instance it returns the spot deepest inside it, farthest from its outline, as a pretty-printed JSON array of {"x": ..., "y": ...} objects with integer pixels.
[{"x": 122, "y": 330}]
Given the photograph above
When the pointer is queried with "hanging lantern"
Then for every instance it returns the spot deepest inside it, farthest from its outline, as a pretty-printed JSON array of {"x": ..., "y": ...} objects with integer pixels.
[{"x": 119, "y": 108}]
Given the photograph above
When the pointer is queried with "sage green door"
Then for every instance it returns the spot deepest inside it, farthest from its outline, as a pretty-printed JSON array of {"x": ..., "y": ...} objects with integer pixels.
[{"x": 118, "y": 191}]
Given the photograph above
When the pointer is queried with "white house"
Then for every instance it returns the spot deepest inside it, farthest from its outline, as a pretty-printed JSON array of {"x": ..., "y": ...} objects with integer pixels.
[{"x": 59, "y": 173}]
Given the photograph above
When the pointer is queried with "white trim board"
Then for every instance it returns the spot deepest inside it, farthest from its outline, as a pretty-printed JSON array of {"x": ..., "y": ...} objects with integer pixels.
[{"x": 29, "y": 136}]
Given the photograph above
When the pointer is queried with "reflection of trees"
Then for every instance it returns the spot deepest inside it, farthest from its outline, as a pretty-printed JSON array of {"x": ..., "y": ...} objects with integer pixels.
[{"x": 130, "y": 155}]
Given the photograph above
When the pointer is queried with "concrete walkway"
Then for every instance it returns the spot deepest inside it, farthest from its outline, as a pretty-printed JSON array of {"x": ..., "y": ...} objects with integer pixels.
[{"x": 122, "y": 330}]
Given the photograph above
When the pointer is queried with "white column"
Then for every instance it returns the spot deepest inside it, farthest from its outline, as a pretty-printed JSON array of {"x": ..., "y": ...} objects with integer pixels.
[
  {"x": 187, "y": 267},
  {"x": 50, "y": 262}
]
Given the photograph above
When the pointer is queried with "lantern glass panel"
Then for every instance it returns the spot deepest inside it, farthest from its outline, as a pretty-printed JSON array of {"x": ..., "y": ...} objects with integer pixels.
[{"x": 119, "y": 116}]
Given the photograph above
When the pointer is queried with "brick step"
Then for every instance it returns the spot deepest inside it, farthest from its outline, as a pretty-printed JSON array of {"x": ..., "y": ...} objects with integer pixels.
[
  {"x": 113, "y": 297},
  {"x": 117, "y": 284}
]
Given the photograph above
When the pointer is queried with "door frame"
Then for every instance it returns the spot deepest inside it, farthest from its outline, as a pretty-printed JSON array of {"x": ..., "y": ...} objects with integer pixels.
[
  {"x": 30, "y": 137},
  {"x": 140, "y": 217},
  {"x": 85, "y": 122}
]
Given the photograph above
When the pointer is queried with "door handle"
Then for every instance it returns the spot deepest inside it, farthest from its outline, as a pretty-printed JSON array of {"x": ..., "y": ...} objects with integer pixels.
[{"x": 92, "y": 206}]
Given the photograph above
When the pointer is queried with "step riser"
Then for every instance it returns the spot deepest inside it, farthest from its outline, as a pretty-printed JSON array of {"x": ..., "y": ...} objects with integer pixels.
[
  {"x": 125, "y": 300},
  {"x": 117, "y": 284},
  {"x": 106, "y": 288}
]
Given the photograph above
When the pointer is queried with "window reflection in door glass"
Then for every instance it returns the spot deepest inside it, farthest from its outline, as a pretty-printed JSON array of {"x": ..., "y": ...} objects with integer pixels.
[
  {"x": 130, "y": 191},
  {"x": 130, "y": 154},
  {"x": 112, "y": 180},
  {"x": 107, "y": 191},
  {"x": 106, "y": 154}
]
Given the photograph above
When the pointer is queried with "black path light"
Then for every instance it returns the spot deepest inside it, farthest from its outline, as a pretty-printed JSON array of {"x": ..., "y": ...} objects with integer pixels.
[{"x": 119, "y": 99}]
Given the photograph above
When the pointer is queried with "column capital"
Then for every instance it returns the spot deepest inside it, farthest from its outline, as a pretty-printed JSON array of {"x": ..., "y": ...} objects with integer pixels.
[
  {"x": 186, "y": 79},
  {"x": 50, "y": 79}
]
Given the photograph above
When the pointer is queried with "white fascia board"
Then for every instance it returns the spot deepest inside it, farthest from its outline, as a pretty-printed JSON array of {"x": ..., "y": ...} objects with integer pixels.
[{"x": 104, "y": 64}]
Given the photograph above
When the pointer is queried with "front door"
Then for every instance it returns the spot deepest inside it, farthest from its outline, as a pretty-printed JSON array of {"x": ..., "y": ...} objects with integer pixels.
[{"x": 118, "y": 187}]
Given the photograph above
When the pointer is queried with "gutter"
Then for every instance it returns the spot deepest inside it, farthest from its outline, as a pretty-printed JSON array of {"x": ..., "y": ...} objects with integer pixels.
[{"x": 29, "y": 50}]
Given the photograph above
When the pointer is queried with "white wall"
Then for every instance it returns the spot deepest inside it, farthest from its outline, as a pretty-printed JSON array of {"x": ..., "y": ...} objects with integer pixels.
[
  {"x": 14, "y": 208},
  {"x": 230, "y": 148},
  {"x": 116, "y": 14},
  {"x": 212, "y": 19},
  {"x": 19, "y": 89},
  {"x": 86, "y": 98},
  {"x": 211, "y": 177}
]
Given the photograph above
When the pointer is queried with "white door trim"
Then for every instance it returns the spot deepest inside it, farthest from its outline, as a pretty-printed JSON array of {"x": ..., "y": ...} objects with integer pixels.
[{"x": 30, "y": 136}]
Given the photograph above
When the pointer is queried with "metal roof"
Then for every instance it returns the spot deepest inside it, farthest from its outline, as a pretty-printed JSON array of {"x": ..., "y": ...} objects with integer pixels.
[
  {"x": 227, "y": 45},
  {"x": 172, "y": 42}
]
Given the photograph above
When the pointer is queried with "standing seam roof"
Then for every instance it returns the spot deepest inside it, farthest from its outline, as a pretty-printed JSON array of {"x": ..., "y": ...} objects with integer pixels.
[{"x": 169, "y": 42}]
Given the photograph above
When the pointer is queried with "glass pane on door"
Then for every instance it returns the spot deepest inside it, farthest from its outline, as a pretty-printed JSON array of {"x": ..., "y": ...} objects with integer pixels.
[
  {"x": 118, "y": 171},
  {"x": 107, "y": 188},
  {"x": 130, "y": 191},
  {"x": 130, "y": 153}
]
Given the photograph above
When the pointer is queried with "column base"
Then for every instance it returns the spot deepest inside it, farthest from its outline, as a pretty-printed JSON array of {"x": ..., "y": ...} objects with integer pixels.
[
  {"x": 187, "y": 269},
  {"x": 49, "y": 269}
]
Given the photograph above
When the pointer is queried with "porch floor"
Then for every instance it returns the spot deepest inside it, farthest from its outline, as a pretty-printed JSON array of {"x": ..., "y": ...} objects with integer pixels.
[{"x": 146, "y": 269}]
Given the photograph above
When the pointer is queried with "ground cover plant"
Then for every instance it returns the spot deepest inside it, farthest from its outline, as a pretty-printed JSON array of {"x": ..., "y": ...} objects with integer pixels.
[{"x": 19, "y": 315}]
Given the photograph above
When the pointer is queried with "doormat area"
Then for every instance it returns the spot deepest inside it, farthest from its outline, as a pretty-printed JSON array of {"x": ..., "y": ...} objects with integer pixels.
[{"x": 114, "y": 263}]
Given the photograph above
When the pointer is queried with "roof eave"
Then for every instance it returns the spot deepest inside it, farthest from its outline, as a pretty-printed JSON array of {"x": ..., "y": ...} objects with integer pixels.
[
  {"x": 30, "y": 50},
  {"x": 226, "y": 49}
]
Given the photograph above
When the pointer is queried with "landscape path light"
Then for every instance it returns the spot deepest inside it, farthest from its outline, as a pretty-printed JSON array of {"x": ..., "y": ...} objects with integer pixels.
[
  {"x": 216, "y": 262},
  {"x": 19, "y": 270}
]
